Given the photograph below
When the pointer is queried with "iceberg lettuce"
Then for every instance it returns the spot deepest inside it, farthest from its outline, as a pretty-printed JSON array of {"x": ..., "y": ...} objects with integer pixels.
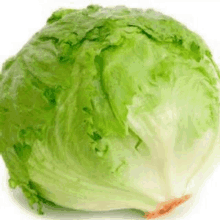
[{"x": 110, "y": 108}]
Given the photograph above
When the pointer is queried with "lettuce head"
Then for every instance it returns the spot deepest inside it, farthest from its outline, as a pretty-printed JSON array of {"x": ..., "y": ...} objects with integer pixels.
[{"x": 110, "y": 108}]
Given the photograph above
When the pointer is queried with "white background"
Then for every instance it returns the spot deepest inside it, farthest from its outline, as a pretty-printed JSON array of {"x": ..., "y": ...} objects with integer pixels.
[{"x": 20, "y": 19}]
